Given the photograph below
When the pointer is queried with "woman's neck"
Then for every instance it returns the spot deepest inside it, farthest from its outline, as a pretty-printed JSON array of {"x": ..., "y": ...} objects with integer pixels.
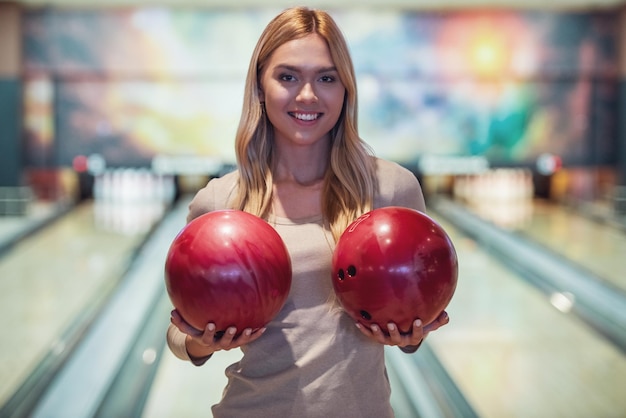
[{"x": 303, "y": 166}]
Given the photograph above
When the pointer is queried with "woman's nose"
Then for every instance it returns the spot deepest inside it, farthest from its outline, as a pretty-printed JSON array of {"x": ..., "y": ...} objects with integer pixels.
[{"x": 307, "y": 93}]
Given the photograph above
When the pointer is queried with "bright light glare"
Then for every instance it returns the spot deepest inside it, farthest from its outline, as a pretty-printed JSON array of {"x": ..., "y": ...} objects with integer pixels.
[
  {"x": 149, "y": 356},
  {"x": 562, "y": 301}
]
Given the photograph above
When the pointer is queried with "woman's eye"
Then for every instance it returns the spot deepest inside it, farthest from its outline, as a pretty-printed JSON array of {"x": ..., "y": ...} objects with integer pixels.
[
  {"x": 327, "y": 79},
  {"x": 287, "y": 77}
]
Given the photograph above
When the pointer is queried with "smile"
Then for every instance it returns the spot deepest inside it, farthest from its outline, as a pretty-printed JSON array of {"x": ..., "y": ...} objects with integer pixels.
[{"x": 305, "y": 116}]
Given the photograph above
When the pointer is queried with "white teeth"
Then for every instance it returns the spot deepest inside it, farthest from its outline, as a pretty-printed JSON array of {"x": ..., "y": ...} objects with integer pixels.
[{"x": 305, "y": 116}]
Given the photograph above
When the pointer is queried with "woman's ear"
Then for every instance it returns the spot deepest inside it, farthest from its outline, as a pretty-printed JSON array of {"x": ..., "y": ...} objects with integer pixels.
[{"x": 261, "y": 96}]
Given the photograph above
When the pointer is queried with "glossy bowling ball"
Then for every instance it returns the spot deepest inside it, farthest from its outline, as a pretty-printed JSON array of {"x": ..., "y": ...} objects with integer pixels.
[
  {"x": 394, "y": 264},
  {"x": 228, "y": 267}
]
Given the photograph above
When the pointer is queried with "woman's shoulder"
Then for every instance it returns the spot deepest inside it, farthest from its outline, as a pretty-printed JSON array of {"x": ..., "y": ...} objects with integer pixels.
[
  {"x": 216, "y": 195},
  {"x": 228, "y": 180},
  {"x": 397, "y": 186},
  {"x": 388, "y": 171}
]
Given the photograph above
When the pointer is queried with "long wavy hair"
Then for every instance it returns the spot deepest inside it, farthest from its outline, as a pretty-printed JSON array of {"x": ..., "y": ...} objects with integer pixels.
[{"x": 350, "y": 181}]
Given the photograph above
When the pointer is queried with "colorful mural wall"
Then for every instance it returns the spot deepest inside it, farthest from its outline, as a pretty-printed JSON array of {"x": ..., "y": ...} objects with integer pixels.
[{"x": 134, "y": 83}]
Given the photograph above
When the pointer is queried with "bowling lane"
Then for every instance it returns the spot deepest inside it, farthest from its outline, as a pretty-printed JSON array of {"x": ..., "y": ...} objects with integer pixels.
[
  {"x": 15, "y": 227},
  {"x": 593, "y": 239},
  {"x": 181, "y": 389},
  {"x": 513, "y": 354},
  {"x": 51, "y": 283},
  {"x": 598, "y": 247}
]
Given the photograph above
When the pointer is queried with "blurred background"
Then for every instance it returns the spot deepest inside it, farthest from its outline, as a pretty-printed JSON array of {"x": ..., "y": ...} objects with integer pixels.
[{"x": 511, "y": 114}]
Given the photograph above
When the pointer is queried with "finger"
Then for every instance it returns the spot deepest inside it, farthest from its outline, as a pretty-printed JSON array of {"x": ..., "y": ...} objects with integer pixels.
[
  {"x": 178, "y": 321},
  {"x": 208, "y": 336},
  {"x": 256, "y": 334},
  {"x": 377, "y": 333},
  {"x": 441, "y": 320},
  {"x": 418, "y": 333},
  {"x": 226, "y": 340},
  {"x": 364, "y": 330},
  {"x": 247, "y": 336},
  {"x": 394, "y": 334},
  {"x": 244, "y": 337}
]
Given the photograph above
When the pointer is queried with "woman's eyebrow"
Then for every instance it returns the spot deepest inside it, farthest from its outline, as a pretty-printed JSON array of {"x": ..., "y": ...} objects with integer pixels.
[{"x": 300, "y": 69}]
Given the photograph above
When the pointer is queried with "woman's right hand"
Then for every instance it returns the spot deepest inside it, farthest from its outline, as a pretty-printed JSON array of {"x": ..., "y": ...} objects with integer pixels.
[{"x": 204, "y": 343}]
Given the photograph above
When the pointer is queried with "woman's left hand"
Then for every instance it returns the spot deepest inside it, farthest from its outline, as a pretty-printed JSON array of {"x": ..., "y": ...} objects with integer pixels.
[{"x": 412, "y": 339}]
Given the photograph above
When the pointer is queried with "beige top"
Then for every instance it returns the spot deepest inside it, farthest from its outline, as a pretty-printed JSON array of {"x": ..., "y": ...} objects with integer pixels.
[{"x": 311, "y": 361}]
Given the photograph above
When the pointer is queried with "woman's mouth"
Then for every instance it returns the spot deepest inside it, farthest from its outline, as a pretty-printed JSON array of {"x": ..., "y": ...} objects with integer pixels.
[{"x": 307, "y": 117}]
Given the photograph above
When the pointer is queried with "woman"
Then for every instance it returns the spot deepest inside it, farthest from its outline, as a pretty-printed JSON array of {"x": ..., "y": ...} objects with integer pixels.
[{"x": 303, "y": 168}]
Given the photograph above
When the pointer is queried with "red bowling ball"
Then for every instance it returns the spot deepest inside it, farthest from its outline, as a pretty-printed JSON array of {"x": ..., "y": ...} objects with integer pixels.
[
  {"x": 228, "y": 267},
  {"x": 394, "y": 264}
]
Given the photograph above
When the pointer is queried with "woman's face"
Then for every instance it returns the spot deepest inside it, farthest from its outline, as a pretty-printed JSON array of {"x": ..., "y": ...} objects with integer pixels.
[{"x": 302, "y": 91}]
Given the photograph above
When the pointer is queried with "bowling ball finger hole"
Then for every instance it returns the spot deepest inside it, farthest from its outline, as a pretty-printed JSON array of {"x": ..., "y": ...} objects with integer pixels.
[
  {"x": 351, "y": 271},
  {"x": 365, "y": 315}
]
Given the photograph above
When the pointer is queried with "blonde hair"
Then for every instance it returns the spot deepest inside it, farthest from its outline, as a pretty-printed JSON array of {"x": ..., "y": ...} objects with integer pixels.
[{"x": 350, "y": 181}]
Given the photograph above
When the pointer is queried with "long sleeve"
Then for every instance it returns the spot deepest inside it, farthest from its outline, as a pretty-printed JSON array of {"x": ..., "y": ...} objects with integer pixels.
[{"x": 176, "y": 342}]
